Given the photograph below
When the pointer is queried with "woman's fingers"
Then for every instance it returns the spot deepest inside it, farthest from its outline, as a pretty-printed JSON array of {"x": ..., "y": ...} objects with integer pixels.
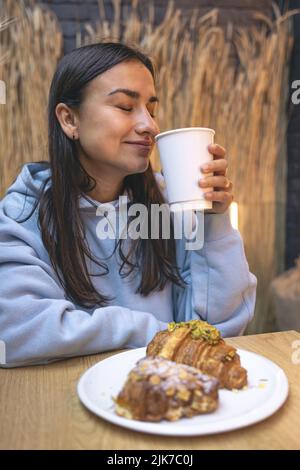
[
  {"x": 219, "y": 196},
  {"x": 217, "y": 150},
  {"x": 218, "y": 166},
  {"x": 215, "y": 182}
]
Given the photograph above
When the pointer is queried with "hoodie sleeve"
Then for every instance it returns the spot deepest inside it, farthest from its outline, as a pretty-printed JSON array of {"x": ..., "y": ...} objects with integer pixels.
[
  {"x": 220, "y": 289},
  {"x": 39, "y": 325}
]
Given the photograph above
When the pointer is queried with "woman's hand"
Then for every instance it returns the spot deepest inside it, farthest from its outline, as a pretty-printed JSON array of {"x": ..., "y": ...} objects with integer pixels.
[{"x": 222, "y": 187}]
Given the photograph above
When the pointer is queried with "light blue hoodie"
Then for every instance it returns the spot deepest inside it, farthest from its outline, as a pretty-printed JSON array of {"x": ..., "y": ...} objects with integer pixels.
[{"x": 39, "y": 324}]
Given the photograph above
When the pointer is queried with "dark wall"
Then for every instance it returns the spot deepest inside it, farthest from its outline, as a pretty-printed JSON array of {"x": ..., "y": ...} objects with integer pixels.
[
  {"x": 73, "y": 13},
  {"x": 293, "y": 144}
]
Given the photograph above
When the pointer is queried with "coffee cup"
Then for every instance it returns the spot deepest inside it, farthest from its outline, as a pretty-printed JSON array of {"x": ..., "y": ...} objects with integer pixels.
[{"x": 182, "y": 152}]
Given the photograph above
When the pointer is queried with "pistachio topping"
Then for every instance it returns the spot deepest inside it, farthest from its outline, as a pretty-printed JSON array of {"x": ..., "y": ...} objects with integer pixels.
[{"x": 199, "y": 329}]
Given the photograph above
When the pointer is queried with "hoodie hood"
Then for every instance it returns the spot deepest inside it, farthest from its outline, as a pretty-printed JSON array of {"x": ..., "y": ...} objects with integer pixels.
[
  {"x": 21, "y": 196},
  {"x": 26, "y": 188},
  {"x": 30, "y": 180}
]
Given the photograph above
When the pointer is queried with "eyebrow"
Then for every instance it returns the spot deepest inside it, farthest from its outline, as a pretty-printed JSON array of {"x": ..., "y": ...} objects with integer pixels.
[{"x": 133, "y": 94}]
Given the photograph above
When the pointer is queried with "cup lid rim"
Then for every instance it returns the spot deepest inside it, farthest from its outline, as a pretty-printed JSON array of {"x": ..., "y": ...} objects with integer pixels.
[{"x": 173, "y": 131}]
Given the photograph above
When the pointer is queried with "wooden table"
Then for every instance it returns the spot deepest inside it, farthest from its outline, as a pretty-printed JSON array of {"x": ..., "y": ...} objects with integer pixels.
[{"x": 40, "y": 409}]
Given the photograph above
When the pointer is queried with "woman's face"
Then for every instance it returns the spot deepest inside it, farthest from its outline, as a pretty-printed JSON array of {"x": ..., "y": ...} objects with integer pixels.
[{"x": 108, "y": 120}]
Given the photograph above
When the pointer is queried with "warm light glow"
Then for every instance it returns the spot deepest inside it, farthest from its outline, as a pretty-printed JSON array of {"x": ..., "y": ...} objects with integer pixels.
[{"x": 234, "y": 215}]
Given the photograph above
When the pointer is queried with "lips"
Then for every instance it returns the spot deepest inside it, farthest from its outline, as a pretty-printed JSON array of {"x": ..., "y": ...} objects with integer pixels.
[
  {"x": 142, "y": 149},
  {"x": 143, "y": 143}
]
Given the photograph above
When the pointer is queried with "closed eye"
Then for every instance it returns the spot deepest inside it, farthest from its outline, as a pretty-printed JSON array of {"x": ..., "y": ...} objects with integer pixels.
[
  {"x": 130, "y": 109},
  {"x": 125, "y": 109}
]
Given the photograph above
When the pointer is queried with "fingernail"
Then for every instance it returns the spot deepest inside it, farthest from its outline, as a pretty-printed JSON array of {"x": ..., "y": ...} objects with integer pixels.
[{"x": 205, "y": 167}]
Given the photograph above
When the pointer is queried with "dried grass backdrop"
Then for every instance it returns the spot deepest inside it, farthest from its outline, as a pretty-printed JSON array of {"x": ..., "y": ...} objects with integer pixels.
[
  {"x": 4, "y": 23},
  {"x": 32, "y": 43},
  {"x": 201, "y": 84}
]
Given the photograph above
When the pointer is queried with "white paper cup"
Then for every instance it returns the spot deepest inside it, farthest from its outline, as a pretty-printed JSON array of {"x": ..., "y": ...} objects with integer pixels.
[{"x": 182, "y": 152}]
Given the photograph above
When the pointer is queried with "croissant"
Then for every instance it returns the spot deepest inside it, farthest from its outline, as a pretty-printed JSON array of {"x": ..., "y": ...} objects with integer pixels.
[
  {"x": 159, "y": 389},
  {"x": 198, "y": 344}
]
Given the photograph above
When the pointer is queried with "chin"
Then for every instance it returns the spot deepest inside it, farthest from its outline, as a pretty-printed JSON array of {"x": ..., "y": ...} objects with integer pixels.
[{"x": 141, "y": 167}]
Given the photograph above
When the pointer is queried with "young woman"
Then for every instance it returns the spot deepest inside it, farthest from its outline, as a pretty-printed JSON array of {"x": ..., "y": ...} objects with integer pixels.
[{"x": 64, "y": 291}]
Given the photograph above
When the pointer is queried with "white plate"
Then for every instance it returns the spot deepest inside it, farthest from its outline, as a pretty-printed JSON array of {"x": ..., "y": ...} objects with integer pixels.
[{"x": 267, "y": 391}]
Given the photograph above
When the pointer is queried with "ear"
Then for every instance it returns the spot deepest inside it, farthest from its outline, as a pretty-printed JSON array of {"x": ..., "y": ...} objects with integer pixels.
[{"x": 68, "y": 120}]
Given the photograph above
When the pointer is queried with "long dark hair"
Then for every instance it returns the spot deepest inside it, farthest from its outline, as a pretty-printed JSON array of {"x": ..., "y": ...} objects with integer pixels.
[{"x": 62, "y": 230}]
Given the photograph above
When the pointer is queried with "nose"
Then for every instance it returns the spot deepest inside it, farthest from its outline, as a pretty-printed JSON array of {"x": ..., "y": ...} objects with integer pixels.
[{"x": 147, "y": 125}]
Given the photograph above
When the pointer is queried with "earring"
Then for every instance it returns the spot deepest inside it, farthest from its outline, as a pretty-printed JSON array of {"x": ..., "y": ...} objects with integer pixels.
[{"x": 73, "y": 137}]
